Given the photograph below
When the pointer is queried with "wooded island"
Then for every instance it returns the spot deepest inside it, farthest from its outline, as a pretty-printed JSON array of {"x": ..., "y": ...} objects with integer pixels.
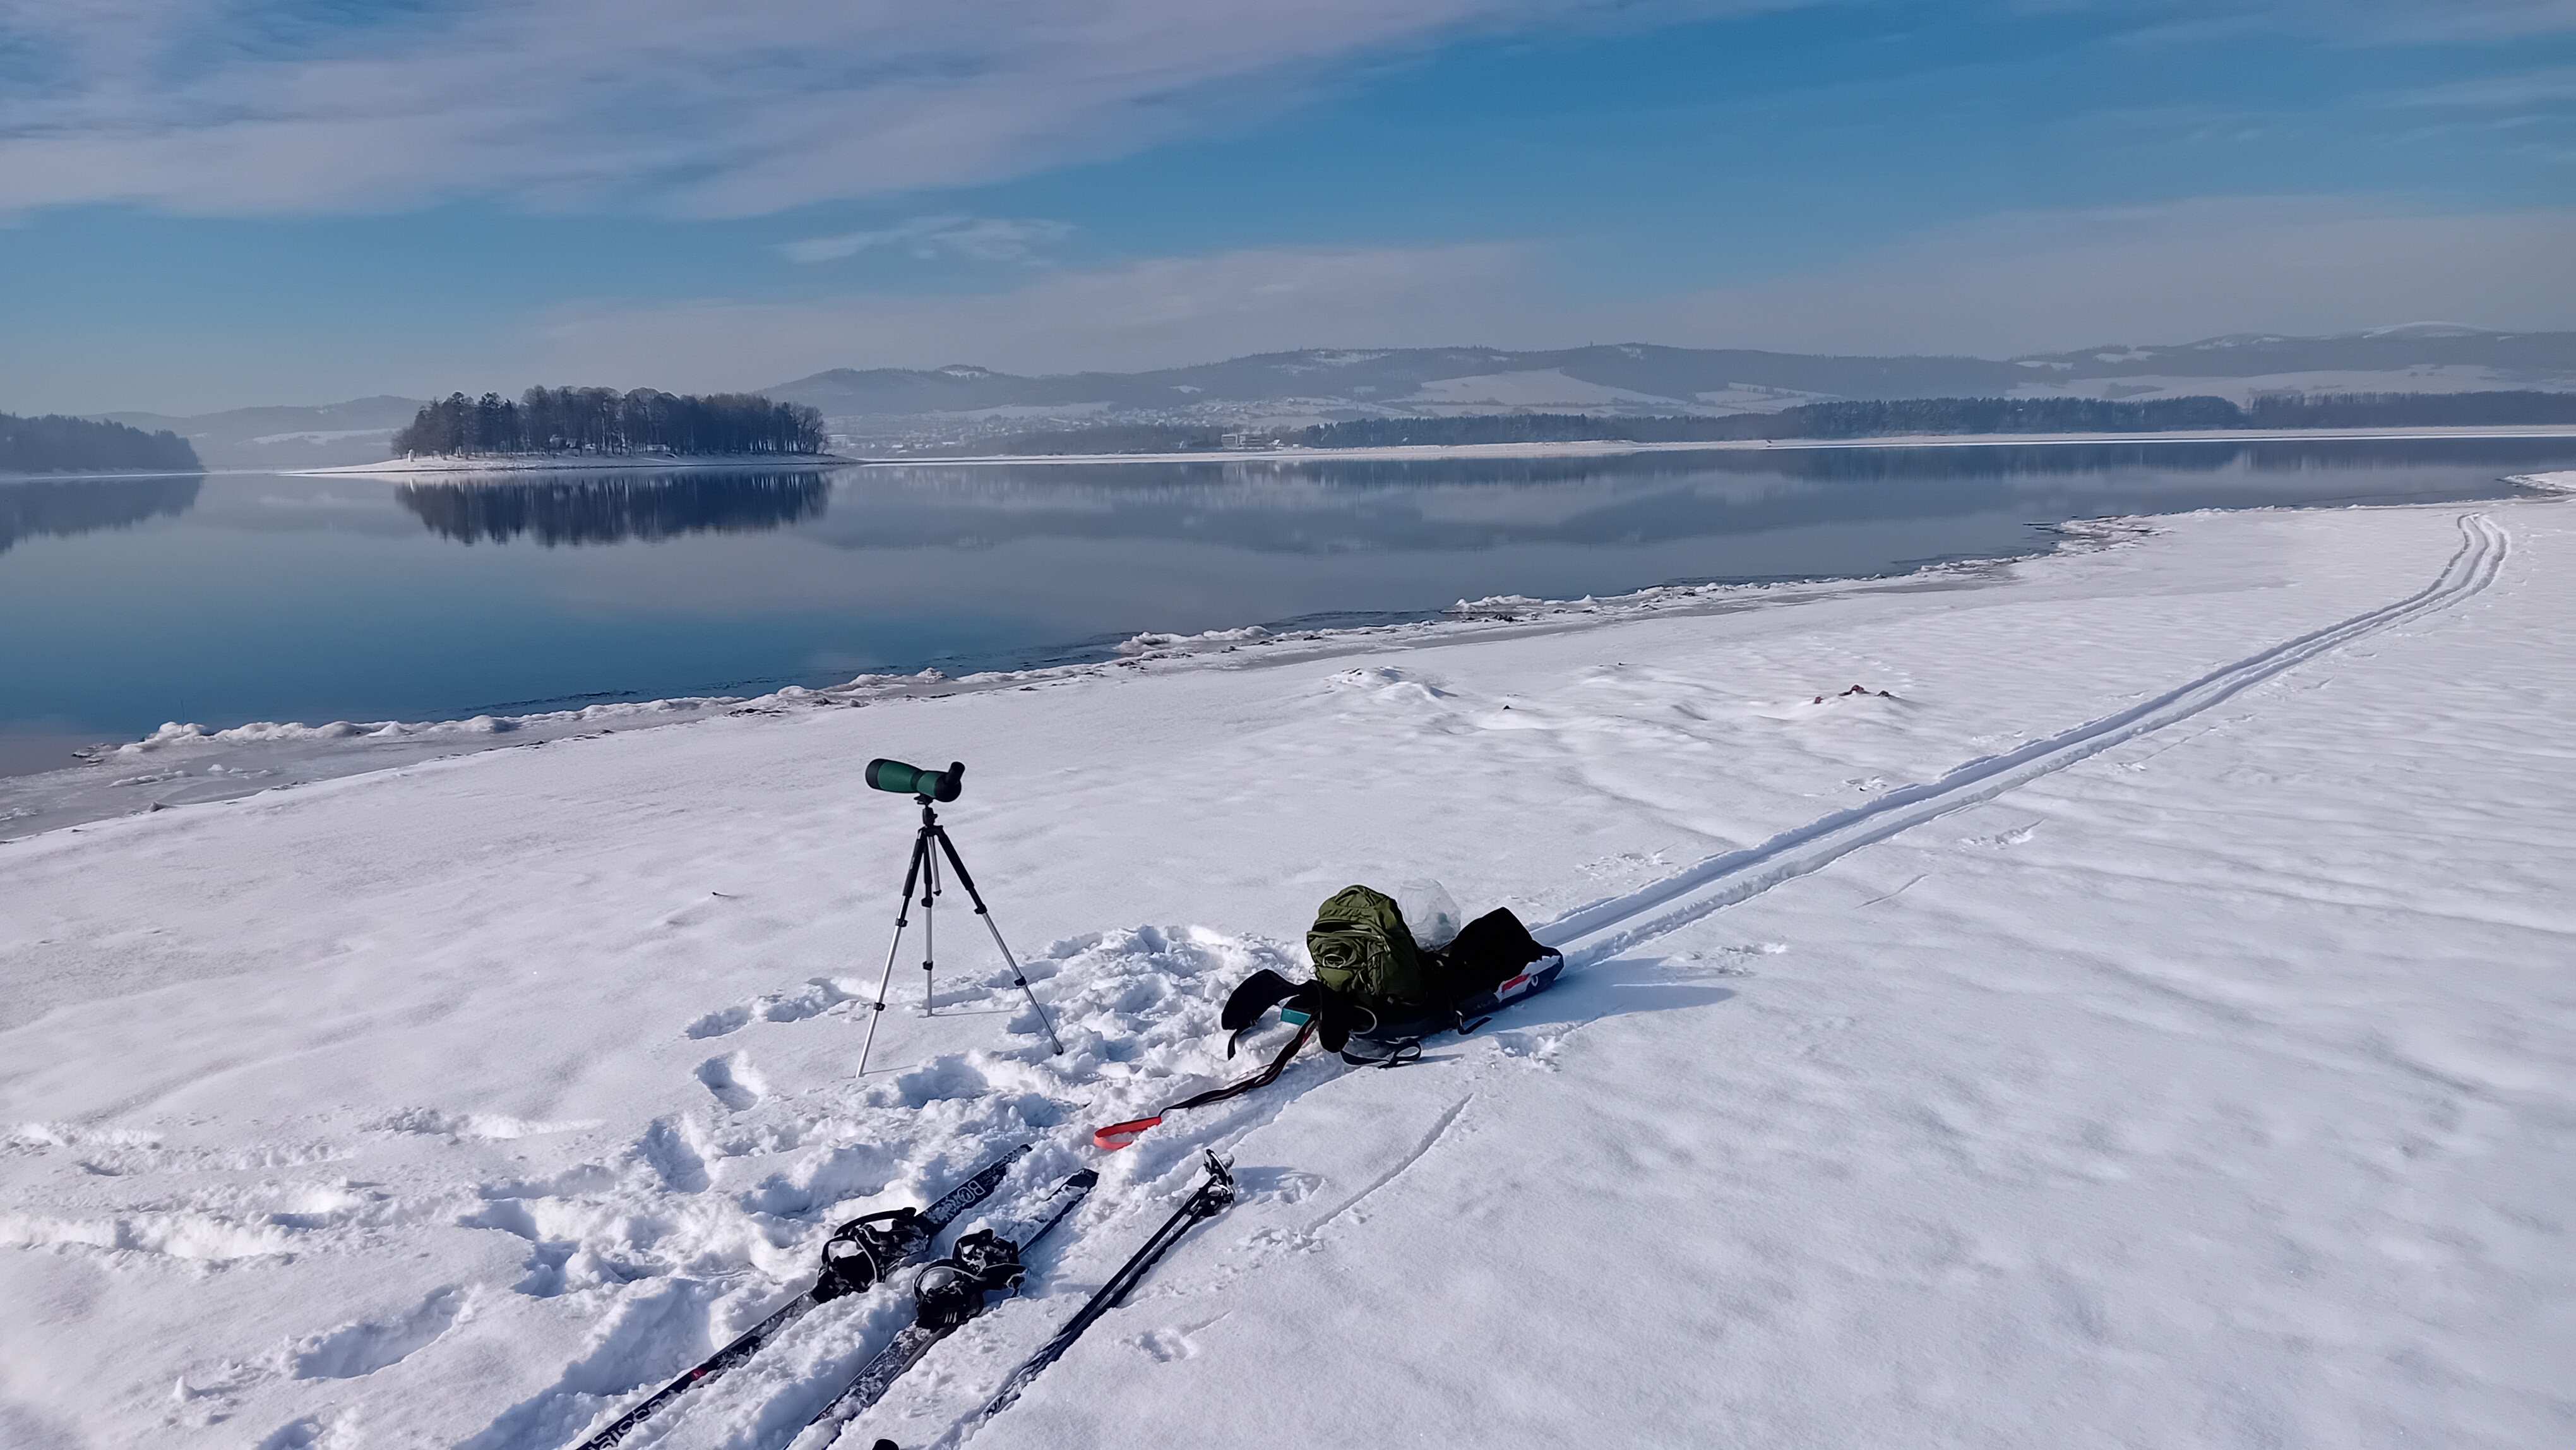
[
  {"x": 585, "y": 421},
  {"x": 56, "y": 444}
]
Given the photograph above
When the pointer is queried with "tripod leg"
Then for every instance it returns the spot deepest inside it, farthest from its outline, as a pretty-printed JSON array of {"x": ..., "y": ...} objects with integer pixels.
[
  {"x": 902, "y": 911},
  {"x": 1018, "y": 977},
  {"x": 929, "y": 931}
]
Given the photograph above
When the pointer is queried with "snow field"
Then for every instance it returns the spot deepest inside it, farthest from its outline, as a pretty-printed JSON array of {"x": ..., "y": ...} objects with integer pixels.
[{"x": 2210, "y": 1086}]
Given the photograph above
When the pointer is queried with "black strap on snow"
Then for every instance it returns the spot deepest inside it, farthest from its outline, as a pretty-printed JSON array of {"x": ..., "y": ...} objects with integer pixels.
[
  {"x": 1263, "y": 1078},
  {"x": 1409, "y": 1050}
]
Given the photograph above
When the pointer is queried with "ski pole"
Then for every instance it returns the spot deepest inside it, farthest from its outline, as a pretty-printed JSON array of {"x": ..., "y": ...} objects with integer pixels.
[{"x": 1210, "y": 1199}]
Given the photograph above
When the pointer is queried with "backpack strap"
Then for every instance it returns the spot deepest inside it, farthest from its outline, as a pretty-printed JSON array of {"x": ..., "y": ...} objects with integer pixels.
[
  {"x": 1329, "y": 1015},
  {"x": 1335, "y": 1016},
  {"x": 1263, "y": 1078},
  {"x": 1409, "y": 1050}
]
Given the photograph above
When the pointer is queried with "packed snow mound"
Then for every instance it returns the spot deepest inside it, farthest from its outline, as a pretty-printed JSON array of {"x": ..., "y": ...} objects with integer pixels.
[
  {"x": 174, "y": 733},
  {"x": 1149, "y": 642}
]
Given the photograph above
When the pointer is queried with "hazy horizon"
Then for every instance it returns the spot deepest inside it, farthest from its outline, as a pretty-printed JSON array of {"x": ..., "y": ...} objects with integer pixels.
[{"x": 515, "y": 389}]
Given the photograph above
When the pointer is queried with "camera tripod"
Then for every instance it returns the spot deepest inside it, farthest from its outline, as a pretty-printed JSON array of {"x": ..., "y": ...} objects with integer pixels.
[{"x": 924, "y": 873}]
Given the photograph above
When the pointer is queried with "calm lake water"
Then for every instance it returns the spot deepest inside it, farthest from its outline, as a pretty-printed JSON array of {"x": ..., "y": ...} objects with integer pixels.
[{"x": 230, "y": 598}]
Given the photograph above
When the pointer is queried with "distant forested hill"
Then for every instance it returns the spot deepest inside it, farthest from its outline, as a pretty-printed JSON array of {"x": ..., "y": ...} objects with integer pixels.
[
  {"x": 56, "y": 444},
  {"x": 1950, "y": 416},
  {"x": 1865, "y": 418}
]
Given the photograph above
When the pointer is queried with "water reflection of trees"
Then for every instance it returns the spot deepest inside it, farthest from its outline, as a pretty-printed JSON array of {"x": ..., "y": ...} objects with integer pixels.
[
  {"x": 67, "y": 506},
  {"x": 616, "y": 509}
]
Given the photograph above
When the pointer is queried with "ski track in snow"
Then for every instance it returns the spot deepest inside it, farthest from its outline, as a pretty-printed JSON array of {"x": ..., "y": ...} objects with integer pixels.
[
  {"x": 1429, "y": 1141},
  {"x": 1721, "y": 881},
  {"x": 665, "y": 1245}
]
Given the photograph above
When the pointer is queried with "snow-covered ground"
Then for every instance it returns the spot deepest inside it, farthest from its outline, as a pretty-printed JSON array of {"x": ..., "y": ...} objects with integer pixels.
[{"x": 2148, "y": 1023}]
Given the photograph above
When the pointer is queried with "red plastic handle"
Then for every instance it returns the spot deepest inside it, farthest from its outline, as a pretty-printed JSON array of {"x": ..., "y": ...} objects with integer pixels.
[{"x": 1119, "y": 1135}]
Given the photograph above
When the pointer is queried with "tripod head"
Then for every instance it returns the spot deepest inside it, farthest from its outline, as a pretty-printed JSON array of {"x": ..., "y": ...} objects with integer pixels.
[{"x": 912, "y": 780}]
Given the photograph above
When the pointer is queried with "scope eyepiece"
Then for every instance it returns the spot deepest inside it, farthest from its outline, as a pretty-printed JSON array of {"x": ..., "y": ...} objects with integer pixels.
[{"x": 902, "y": 779}]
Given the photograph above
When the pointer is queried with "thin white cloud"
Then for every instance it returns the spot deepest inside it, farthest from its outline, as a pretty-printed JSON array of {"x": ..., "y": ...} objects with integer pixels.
[
  {"x": 977, "y": 239},
  {"x": 1154, "y": 313},
  {"x": 2032, "y": 282},
  {"x": 737, "y": 109},
  {"x": 277, "y": 106},
  {"x": 2457, "y": 20},
  {"x": 2043, "y": 281},
  {"x": 2521, "y": 91},
  {"x": 2365, "y": 22}
]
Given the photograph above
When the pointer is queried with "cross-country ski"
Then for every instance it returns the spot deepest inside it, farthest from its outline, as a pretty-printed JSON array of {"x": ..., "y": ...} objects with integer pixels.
[
  {"x": 949, "y": 1292},
  {"x": 859, "y": 1255}
]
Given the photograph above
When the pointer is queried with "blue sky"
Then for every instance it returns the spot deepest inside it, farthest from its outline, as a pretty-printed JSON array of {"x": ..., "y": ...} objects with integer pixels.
[{"x": 211, "y": 203}]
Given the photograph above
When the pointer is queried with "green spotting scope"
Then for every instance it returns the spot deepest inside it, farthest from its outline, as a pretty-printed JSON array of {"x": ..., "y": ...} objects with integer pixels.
[{"x": 902, "y": 779}]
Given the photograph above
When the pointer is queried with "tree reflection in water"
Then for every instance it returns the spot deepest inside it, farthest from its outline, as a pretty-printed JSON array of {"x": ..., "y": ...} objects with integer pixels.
[
  {"x": 66, "y": 506},
  {"x": 616, "y": 509}
]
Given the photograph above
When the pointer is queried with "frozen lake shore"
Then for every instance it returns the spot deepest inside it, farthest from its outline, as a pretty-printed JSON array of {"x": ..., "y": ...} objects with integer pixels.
[{"x": 2144, "y": 1023}]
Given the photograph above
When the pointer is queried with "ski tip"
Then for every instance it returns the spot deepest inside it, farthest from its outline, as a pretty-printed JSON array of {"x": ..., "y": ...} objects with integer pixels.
[
  {"x": 1119, "y": 1135},
  {"x": 1087, "y": 1179}
]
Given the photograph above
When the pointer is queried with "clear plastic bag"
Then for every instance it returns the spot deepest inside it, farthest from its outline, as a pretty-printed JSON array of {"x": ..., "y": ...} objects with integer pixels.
[{"x": 1430, "y": 913}]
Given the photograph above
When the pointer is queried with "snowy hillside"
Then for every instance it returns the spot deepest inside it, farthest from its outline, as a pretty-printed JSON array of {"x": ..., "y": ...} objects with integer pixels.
[
  {"x": 1632, "y": 379},
  {"x": 359, "y": 431},
  {"x": 2145, "y": 1023}
]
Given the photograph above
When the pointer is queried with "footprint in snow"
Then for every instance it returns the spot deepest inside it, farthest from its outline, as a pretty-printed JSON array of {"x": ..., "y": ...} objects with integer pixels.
[
  {"x": 1735, "y": 961},
  {"x": 818, "y": 996},
  {"x": 675, "y": 1156},
  {"x": 368, "y": 1345},
  {"x": 311, "y": 1432},
  {"x": 1284, "y": 1185},
  {"x": 733, "y": 1081},
  {"x": 720, "y": 1022},
  {"x": 1535, "y": 1048}
]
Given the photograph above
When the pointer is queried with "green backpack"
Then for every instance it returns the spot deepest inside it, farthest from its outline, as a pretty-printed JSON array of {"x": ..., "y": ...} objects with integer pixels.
[{"x": 1363, "y": 949}]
